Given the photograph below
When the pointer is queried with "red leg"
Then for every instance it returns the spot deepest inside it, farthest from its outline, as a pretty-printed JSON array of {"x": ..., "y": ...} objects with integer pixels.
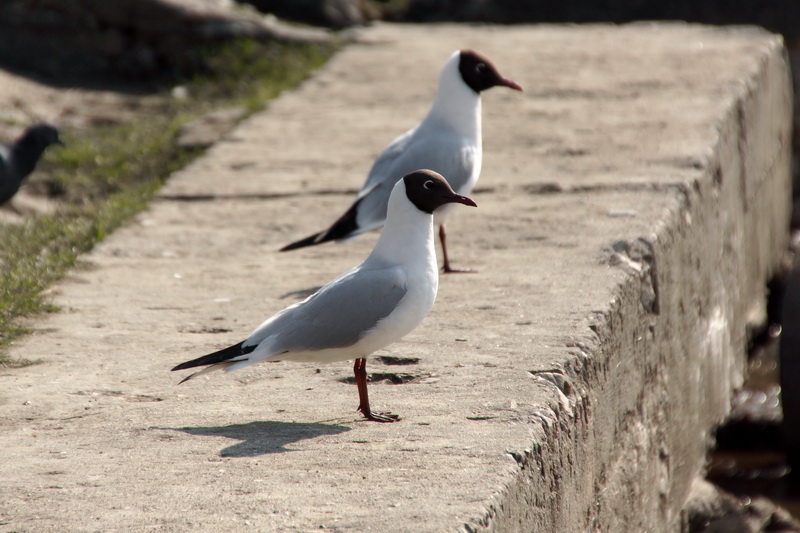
[
  {"x": 446, "y": 268},
  {"x": 360, "y": 371}
]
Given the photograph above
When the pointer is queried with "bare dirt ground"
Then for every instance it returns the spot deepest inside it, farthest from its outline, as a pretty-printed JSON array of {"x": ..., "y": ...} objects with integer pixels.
[
  {"x": 99, "y": 437},
  {"x": 24, "y": 101}
]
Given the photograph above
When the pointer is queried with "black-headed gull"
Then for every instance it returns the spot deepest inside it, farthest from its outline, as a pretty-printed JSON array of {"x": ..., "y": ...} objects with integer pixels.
[
  {"x": 448, "y": 140},
  {"x": 366, "y": 308},
  {"x": 17, "y": 160}
]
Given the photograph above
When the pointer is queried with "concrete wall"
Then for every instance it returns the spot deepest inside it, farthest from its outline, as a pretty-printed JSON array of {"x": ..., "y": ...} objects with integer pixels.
[
  {"x": 84, "y": 41},
  {"x": 647, "y": 393},
  {"x": 633, "y": 203}
]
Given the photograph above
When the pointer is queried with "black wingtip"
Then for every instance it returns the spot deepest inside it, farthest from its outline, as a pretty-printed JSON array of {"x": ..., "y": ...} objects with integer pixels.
[
  {"x": 302, "y": 243},
  {"x": 343, "y": 228},
  {"x": 217, "y": 357}
]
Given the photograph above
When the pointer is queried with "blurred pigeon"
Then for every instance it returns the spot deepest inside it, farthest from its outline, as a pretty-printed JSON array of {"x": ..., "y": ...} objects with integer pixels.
[
  {"x": 17, "y": 160},
  {"x": 448, "y": 141}
]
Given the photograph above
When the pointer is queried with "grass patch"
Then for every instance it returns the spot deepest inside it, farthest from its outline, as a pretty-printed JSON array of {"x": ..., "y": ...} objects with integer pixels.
[{"x": 107, "y": 174}]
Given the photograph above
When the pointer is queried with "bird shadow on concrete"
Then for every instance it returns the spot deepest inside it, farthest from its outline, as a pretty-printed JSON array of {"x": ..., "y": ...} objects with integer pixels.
[{"x": 264, "y": 437}]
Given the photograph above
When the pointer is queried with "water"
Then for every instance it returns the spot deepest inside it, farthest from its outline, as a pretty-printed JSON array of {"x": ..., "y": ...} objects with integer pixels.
[{"x": 750, "y": 459}]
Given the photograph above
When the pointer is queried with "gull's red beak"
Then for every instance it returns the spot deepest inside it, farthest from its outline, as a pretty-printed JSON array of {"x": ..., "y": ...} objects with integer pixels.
[
  {"x": 466, "y": 200},
  {"x": 511, "y": 84}
]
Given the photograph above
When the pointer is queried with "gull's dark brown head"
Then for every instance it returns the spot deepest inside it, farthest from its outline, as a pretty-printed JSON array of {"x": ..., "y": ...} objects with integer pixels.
[
  {"x": 480, "y": 74},
  {"x": 428, "y": 190}
]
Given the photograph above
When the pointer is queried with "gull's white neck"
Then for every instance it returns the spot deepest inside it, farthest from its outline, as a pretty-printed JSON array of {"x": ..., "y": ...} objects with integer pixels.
[
  {"x": 456, "y": 105},
  {"x": 407, "y": 235}
]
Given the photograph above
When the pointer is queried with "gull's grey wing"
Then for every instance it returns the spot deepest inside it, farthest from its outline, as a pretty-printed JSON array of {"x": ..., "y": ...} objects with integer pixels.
[
  {"x": 382, "y": 165},
  {"x": 337, "y": 315},
  {"x": 450, "y": 156}
]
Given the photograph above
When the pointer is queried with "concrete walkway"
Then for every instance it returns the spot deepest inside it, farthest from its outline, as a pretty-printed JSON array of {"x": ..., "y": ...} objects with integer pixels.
[{"x": 633, "y": 203}]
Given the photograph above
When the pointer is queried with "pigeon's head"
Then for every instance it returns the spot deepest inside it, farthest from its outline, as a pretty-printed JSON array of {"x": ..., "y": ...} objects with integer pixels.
[
  {"x": 480, "y": 74},
  {"x": 428, "y": 190},
  {"x": 40, "y": 136}
]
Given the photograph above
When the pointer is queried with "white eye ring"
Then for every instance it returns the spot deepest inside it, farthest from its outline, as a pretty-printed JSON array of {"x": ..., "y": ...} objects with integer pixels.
[
  {"x": 428, "y": 184},
  {"x": 480, "y": 67}
]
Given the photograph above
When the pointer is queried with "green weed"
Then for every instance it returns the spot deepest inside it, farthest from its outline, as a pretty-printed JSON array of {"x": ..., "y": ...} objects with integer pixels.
[{"x": 107, "y": 174}]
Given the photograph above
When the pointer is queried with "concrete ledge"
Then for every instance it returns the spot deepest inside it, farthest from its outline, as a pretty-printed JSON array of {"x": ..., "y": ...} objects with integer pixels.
[{"x": 634, "y": 201}]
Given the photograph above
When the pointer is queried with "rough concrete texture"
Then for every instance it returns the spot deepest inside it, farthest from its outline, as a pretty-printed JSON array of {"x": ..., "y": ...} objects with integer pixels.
[{"x": 633, "y": 203}]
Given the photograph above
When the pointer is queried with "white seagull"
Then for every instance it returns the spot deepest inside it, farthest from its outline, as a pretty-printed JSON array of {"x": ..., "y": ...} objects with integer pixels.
[
  {"x": 366, "y": 308},
  {"x": 448, "y": 141}
]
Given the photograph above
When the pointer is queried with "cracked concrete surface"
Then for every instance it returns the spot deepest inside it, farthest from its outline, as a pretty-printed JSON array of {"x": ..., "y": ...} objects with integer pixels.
[{"x": 634, "y": 200}]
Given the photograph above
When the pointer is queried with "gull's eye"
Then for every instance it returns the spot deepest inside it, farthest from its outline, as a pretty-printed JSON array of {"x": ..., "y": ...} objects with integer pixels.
[
  {"x": 480, "y": 68},
  {"x": 428, "y": 184}
]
